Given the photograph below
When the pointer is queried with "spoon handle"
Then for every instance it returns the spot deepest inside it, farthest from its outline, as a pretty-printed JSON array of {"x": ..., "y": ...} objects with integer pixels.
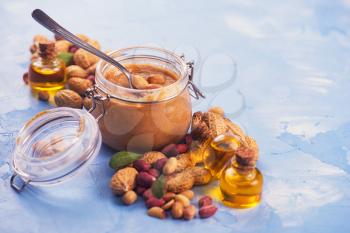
[{"x": 46, "y": 21}]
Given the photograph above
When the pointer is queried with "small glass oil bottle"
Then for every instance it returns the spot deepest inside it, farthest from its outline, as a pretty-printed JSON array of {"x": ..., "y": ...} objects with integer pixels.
[
  {"x": 241, "y": 183},
  {"x": 218, "y": 153},
  {"x": 47, "y": 72}
]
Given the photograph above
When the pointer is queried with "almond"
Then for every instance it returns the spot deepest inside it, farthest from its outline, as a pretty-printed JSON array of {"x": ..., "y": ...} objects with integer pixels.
[
  {"x": 68, "y": 98},
  {"x": 79, "y": 85}
]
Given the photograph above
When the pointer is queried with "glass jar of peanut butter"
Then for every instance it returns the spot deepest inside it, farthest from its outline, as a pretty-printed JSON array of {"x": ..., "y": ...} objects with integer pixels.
[{"x": 156, "y": 112}]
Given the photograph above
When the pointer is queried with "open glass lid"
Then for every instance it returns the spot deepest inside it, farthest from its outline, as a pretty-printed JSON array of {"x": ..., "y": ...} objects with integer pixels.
[{"x": 53, "y": 146}]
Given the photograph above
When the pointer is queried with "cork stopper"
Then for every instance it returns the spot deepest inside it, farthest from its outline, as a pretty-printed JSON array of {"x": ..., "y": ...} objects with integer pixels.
[
  {"x": 246, "y": 157},
  {"x": 47, "y": 50}
]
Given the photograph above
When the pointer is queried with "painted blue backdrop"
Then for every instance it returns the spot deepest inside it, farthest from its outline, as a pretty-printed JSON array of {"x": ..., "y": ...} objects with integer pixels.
[{"x": 281, "y": 69}]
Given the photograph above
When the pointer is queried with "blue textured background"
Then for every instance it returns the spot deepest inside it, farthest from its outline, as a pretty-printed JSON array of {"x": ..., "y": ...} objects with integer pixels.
[{"x": 291, "y": 93}]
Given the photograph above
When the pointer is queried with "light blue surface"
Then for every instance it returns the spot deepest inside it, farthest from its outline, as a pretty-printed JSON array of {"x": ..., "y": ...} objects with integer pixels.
[{"x": 293, "y": 71}]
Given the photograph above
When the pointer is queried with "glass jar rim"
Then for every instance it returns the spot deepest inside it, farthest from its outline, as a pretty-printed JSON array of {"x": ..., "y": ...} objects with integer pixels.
[{"x": 102, "y": 83}]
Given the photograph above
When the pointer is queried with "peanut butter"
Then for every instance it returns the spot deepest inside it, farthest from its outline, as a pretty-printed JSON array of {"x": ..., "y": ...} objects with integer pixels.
[{"x": 144, "y": 126}]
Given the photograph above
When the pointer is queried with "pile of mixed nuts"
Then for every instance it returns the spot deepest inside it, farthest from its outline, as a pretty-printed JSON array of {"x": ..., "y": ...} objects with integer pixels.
[{"x": 164, "y": 180}]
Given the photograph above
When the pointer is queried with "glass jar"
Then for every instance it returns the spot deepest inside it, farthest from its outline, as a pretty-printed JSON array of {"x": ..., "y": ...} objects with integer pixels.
[{"x": 143, "y": 120}]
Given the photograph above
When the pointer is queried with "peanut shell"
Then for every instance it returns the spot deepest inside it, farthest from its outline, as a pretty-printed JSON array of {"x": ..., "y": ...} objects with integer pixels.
[
  {"x": 152, "y": 156},
  {"x": 179, "y": 182},
  {"x": 68, "y": 98},
  {"x": 79, "y": 85},
  {"x": 84, "y": 59},
  {"x": 75, "y": 71},
  {"x": 123, "y": 180}
]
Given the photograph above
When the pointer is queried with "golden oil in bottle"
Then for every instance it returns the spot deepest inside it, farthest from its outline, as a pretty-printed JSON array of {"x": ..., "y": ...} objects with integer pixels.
[
  {"x": 47, "y": 72},
  {"x": 218, "y": 154},
  {"x": 241, "y": 184}
]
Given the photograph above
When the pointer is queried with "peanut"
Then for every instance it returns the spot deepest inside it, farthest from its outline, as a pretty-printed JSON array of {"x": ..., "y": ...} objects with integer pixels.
[
  {"x": 140, "y": 190},
  {"x": 153, "y": 201},
  {"x": 188, "y": 193},
  {"x": 153, "y": 156},
  {"x": 156, "y": 79},
  {"x": 204, "y": 201},
  {"x": 170, "y": 166},
  {"x": 141, "y": 165},
  {"x": 153, "y": 172},
  {"x": 68, "y": 98},
  {"x": 147, "y": 194},
  {"x": 189, "y": 212},
  {"x": 159, "y": 164},
  {"x": 145, "y": 180},
  {"x": 75, "y": 71},
  {"x": 79, "y": 85},
  {"x": 129, "y": 197},
  {"x": 139, "y": 82},
  {"x": 170, "y": 150},
  {"x": 168, "y": 205},
  {"x": 156, "y": 212},
  {"x": 207, "y": 211},
  {"x": 183, "y": 199},
  {"x": 177, "y": 210},
  {"x": 181, "y": 148},
  {"x": 169, "y": 196}
]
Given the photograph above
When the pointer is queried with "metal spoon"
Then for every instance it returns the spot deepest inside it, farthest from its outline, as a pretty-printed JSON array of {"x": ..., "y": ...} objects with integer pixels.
[{"x": 42, "y": 18}]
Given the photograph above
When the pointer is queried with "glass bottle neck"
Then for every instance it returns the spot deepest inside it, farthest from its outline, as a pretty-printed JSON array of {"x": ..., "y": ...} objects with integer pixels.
[{"x": 244, "y": 170}]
